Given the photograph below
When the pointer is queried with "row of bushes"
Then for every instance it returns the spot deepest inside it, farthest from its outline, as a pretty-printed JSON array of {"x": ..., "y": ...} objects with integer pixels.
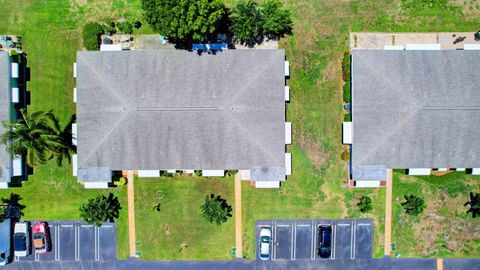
[{"x": 346, "y": 77}]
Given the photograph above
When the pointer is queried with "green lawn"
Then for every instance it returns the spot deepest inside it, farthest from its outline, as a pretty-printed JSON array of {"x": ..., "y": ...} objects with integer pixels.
[
  {"x": 443, "y": 229},
  {"x": 51, "y": 34},
  {"x": 179, "y": 222}
]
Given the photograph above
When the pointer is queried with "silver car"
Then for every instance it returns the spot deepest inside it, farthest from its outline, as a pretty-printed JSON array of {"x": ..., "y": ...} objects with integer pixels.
[
  {"x": 265, "y": 243},
  {"x": 21, "y": 239}
]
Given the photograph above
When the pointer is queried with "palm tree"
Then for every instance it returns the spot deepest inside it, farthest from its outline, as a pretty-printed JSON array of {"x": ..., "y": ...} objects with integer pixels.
[
  {"x": 413, "y": 205},
  {"x": 474, "y": 204},
  {"x": 36, "y": 135}
]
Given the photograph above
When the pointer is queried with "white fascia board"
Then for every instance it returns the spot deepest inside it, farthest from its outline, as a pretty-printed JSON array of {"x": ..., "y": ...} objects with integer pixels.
[
  {"x": 92, "y": 185},
  {"x": 3, "y": 185},
  {"x": 189, "y": 171},
  {"x": 288, "y": 133},
  {"x": 74, "y": 165},
  {"x": 475, "y": 171},
  {"x": 74, "y": 134},
  {"x": 213, "y": 173},
  {"x": 471, "y": 46},
  {"x": 74, "y": 70},
  {"x": 423, "y": 47},
  {"x": 15, "y": 70},
  {"x": 287, "y": 93},
  {"x": 267, "y": 184},
  {"x": 171, "y": 171},
  {"x": 110, "y": 47},
  {"x": 367, "y": 184},
  {"x": 347, "y": 133},
  {"x": 460, "y": 169},
  {"x": 442, "y": 169},
  {"x": 394, "y": 48},
  {"x": 75, "y": 94},
  {"x": 419, "y": 171},
  {"x": 17, "y": 166},
  {"x": 288, "y": 163},
  {"x": 15, "y": 95},
  {"x": 287, "y": 69},
  {"x": 148, "y": 173}
]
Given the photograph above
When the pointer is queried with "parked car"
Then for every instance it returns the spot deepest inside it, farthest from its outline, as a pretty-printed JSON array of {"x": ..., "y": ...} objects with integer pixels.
[
  {"x": 324, "y": 247},
  {"x": 41, "y": 238},
  {"x": 265, "y": 243},
  {"x": 21, "y": 239},
  {"x": 5, "y": 241}
]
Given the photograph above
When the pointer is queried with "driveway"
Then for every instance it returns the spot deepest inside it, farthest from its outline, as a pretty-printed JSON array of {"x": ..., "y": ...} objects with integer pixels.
[{"x": 297, "y": 239}]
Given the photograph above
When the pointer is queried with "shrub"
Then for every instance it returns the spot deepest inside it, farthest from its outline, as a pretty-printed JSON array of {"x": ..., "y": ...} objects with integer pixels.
[
  {"x": 109, "y": 28},
  {"x": 347, "y": 118},
  {"x": 346, "y": 155},
  {"x": 120, "y": 182},
  {"x": 413, "y": 205},
  {"x": 92, "y": 36},
  {"x": 365, "y": 204},
  {"x": 347, "y": 92},
  {"x": 125, "y": 27},
  {"x": 216, "y": 210},
  {"x": 474, "y": 204}
]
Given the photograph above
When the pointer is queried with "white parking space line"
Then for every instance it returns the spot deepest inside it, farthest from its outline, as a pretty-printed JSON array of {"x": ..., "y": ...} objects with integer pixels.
[
  {"x": 343, "y": 224},
  {"x": 66, "y": 226},
  {"x": 77, "y": 243},
  {"x": 334, "y": 241},
  {"x": 283, "y": 225},
  {"x": 86, "y": 226},
  {"x": 37, "y": 256},
  {"x": 17, "y": 258},
  {"x": 294, "y": 239},
  {"x": 313, "y": 241},
  {"x": 274, "y": 242},
  {"x": 303, "y": 225},
  {"x": 354, "y": 234},
  {"x": 97, "y": 244},
  {"x": 364, "y": 224},
  {"x": 106, "y": 226},
  {"x": 57, "y": 243}
]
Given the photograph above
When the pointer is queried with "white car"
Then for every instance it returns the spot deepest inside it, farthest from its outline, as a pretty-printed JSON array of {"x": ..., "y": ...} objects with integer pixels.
[
  {"x": 265, "y": 243},
  {"x": 21, "y": 239}
]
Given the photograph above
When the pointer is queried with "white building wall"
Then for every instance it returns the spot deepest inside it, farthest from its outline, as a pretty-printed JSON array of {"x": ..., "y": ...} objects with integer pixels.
[
  {"x": 213, "y": 173},
  {"x": 419, "y": 171},
  {"x": 288, "y": 133},
  {"x": 267, "y": 184},
  {"x": 347, "y": 133},
  {"x": 148, "y": 173},
  {"x": 288, "y": 163}
]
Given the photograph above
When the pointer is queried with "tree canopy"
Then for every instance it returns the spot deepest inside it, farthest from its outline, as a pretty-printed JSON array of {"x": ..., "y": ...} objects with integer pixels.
[
  {"x": 37, "y": 136},
  {"x": 100, "y": 209},
  {"x": 184, "y": 21},
  {"x": 216, "y": 210},
  {"x": 91, "y": 34},
  {"x": 277, "y": 21},
  {"x": 413, "y": 205}
]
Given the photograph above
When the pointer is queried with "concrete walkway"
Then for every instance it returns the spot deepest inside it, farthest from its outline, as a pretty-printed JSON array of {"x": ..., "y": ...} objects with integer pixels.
[
  {"x": 238, "y": 216},
  {"x": 131, "y": 213},
  {"x": 388, "y": 212},
  {"x": 439, "y": 264}
]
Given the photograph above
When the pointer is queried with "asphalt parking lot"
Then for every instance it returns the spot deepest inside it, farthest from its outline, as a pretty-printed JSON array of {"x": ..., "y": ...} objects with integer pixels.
[
  {"x": 77, "y": 241},
  {"x": 297, "y": 239}
]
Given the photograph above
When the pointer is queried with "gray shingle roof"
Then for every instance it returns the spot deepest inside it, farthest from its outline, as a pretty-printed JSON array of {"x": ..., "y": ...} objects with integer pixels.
[
  {"x": 172, "y": 109},
  {"x": 416, "y": 109},
  {"x": 5, "y": 106}
]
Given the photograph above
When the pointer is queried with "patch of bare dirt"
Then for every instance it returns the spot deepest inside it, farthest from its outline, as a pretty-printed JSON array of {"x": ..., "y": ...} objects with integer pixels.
[{"x": 314, "y": 150}]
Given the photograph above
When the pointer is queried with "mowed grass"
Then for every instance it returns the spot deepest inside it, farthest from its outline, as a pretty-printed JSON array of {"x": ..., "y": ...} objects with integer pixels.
[
  {"x": 443, "y": 229},
  {"x": 51, "y": 32},
  {"x": 179, "y": 222}
]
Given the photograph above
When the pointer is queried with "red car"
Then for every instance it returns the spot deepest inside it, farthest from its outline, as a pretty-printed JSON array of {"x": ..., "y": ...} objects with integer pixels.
[{"x": 41, "y": 237}]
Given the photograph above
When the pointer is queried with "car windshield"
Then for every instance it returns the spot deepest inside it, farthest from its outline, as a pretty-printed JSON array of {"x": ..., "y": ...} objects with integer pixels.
[
  {"x": 20, "y": 243},
  {"x": 264, "y": 239},
  {"x": 38, "y": 236}
]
